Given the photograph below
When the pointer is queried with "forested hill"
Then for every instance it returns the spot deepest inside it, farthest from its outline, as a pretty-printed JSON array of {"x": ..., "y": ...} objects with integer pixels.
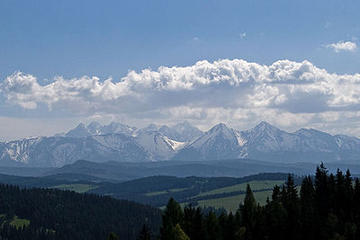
[{"x": 55, "y": 214}]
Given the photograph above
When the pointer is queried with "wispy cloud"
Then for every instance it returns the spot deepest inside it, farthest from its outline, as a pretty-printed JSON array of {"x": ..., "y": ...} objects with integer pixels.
[{"x": 343, "y": 46}]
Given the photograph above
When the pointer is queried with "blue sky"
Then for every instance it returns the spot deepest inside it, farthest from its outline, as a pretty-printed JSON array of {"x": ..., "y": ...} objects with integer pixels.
[
  {"x": 106, "y": 39},
  {"x": 74, "y": 38}
]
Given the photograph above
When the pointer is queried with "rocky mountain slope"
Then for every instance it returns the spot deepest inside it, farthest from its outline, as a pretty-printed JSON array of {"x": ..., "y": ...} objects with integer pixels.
[{"x": 122, "y": 143}]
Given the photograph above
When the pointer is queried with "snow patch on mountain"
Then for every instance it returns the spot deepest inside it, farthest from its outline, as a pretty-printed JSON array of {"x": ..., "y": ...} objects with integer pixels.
[
  {"x": 156, "y": 144},
  {"x": 175, "y": 144}
]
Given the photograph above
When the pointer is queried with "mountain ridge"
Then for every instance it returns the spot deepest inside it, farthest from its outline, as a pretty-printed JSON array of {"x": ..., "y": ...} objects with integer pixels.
[{"x": 123, "y": 143}]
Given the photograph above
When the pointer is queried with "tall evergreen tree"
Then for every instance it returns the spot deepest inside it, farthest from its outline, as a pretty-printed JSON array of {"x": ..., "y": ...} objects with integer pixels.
[
  {"x": 307, "y": 208},
  {"x": 172, "y": 216},
  {"x": 290, "y": 202},
  {"x": 349, "y": 196},
  {"x": 248, "y": 212},
  {"x": 322, "y": 191}
]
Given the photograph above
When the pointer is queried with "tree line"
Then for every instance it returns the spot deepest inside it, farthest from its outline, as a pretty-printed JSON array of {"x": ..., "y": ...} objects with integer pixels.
[{"x": 326, "y": 206}]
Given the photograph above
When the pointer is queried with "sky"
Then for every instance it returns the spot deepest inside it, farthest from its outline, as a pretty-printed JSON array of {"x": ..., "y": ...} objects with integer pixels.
[{"x": 292, "y": 63}]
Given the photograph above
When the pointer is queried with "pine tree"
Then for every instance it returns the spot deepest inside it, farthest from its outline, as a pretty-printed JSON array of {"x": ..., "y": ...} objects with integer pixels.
[
  {"x": 276, "y": 193},
  {"x": 248, "y": 212},
  {"x": 290, "y": 202},
  {"x": 307, "y": 208},
  {"x": 322, "y": 191},
  {"x": 172, "y": 216},
  {"x": 349, "y": 195}
]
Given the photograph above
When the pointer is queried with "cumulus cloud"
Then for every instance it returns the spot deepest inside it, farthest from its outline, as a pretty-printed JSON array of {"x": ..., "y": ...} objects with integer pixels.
[
  {"x": 206, "y": 92},
  {"x": 343, "y": 46}
]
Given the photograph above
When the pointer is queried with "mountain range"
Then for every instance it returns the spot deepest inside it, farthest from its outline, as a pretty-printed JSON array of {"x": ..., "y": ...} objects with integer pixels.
[{"x": 182, "y": 142}]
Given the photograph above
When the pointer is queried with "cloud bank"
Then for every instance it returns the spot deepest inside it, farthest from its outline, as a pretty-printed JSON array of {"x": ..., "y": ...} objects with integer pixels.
[
  {"x": 234, "y": 91},
  {"x": 343, "y": 46}
]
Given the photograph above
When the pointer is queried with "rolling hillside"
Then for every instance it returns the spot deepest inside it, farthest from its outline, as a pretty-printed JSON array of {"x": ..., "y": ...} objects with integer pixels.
[{"x": 156, "y": 190}]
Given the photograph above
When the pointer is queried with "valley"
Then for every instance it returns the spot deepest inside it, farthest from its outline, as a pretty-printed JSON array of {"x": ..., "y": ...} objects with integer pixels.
[{"x": 215, "y": 192}]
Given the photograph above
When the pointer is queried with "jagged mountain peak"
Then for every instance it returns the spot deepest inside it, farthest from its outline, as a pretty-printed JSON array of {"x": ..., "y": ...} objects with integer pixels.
[
  {"x": 220, "y": 142},
  {"x": 181, "y": 141},
  {"x": 79, "y": 131},
  {"x": 220, "y": 127},
  {"x": 263, "y": 130},
  {"x": 265, "y": 126},
  {"x": 217, "y": 132}
]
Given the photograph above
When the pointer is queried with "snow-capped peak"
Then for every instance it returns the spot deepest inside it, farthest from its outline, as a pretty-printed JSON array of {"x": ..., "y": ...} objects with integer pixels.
[{"x": 219, "y": 130}]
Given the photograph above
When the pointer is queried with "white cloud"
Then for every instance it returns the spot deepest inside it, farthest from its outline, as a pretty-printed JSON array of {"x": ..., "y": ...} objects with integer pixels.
[
  {"x": 343, "y": 46},
  {"x": 243, "y": 35},
  {"x": 235, "y": 91}
]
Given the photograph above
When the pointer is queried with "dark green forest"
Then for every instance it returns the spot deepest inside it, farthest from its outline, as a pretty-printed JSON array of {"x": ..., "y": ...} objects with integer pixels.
[
  {"x": 326, "y": 206},
  {"x": 56, "y": 214}
]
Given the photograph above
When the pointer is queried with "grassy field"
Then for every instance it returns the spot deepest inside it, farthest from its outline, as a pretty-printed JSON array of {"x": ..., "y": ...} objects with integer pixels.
[
  {"x": 255, "y": 186},
  {"x": 232, "y": 203},
  {"x": 19, "y": 222},
  {"x": 16, "y": 222},
  {"x": 80, "y": 188},
  {"x": 149, "y": 194},
  {"x": 263, "y": 190}
]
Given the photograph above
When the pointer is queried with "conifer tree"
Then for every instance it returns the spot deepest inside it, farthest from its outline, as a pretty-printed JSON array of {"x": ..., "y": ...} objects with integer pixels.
[
  {"x": 172, "y": 216},
  {"x": 248, "y": 212},
  {"x": 322, "y": 191},
  {"x": 349, "y": 195},
  {"x": 290, "y": 202},
  {"x": 307, "y": 208}
]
